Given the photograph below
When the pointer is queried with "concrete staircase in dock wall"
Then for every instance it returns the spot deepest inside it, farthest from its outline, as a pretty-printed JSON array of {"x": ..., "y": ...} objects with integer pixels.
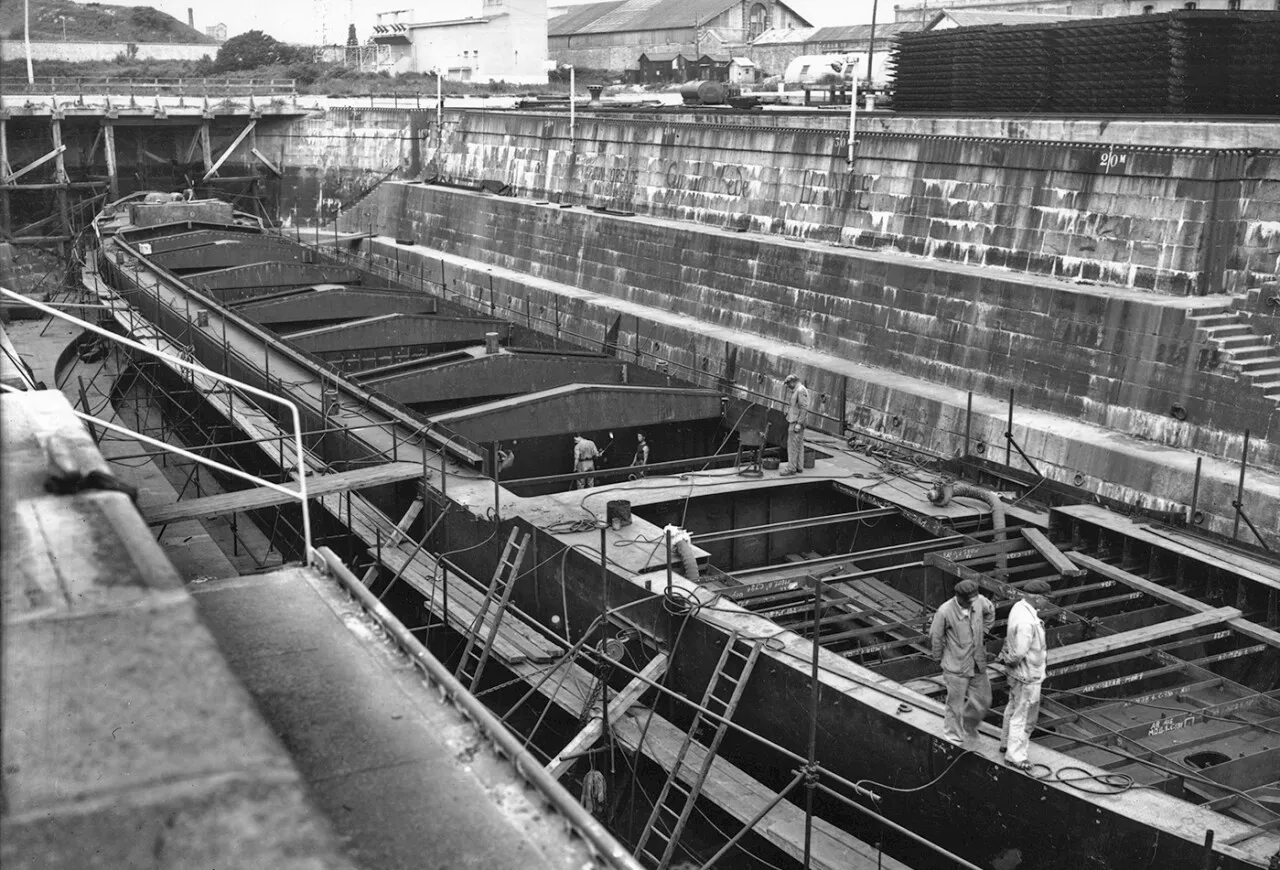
[{"x": 1251, "y": 354}]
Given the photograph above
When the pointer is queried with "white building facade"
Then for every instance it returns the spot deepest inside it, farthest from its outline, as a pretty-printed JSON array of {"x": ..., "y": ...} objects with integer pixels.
[{"x": 502, "y": 42}]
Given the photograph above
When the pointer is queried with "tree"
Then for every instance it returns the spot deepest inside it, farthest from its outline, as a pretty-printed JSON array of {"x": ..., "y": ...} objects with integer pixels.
[
  {"x": 251, "y": 50},
  {"x": 351, "y": 36}
]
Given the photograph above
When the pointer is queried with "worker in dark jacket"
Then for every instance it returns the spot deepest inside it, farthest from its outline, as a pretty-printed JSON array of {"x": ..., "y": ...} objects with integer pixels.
[
  {"x": 957, "y": 641},
  {"x": 797, "y": 419}
]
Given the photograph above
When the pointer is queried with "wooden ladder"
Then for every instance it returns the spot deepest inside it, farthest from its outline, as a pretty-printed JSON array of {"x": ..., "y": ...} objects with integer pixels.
[
  {"x": 675, "y": 803},
  {"x": 476, "y": 653}
]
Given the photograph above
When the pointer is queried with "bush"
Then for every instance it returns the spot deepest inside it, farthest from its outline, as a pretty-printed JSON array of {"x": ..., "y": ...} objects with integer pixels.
[{"x": 251, "y": 50}]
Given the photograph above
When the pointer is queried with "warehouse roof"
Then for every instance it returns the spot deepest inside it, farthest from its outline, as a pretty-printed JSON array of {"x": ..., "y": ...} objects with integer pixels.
[{"x": 630, "y": 15}]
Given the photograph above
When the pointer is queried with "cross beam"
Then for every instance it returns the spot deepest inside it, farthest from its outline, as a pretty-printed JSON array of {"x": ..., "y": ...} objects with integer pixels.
[{"x": 235, "y": 143}]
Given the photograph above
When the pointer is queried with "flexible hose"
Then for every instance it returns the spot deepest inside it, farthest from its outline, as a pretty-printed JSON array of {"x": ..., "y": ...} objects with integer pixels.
[{"x": 942, "y": 494}]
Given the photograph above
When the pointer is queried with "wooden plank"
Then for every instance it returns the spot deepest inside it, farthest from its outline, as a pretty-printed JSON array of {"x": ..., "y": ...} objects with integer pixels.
[
  {"x": 1204, "y": 552},
  {"x": 1055, "y": 557},
  {"x": 514, "y": 643},
  {"x": 618, "y": 705},
  {"x": 1139, "y": 636},
  {"x": 260, "y": 497},
  {"x": 742, "y": 797},
  {"x": 1247, "y": 627},
  {"x": 262, "y": 158},
  {"x": 39, "y": 161}
]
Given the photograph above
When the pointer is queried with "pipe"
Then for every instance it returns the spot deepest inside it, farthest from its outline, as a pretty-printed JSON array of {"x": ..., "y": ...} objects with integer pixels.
[
  {"x": 942, "y": 493},
  {"x": 525, "y": 763}
]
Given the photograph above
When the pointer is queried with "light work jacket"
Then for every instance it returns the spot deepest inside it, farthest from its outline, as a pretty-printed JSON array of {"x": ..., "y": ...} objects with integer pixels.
[{"x": 1024, "y": 646}]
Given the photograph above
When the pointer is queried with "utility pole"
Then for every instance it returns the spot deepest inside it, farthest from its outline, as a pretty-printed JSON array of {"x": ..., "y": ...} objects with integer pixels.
[
  {"x": 871, "y": 42},
  {"x": 26, "y": 39}
]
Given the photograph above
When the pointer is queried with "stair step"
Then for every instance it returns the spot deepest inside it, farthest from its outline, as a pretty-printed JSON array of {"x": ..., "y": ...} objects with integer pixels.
[
  {"x": 1262, "y": 364},
  {"x": 1229, "y": 331},
  {"x": 1220, "y": 311},
  {"x": 1262, "y": 376},
  {"x": 1248, "y": 353}
]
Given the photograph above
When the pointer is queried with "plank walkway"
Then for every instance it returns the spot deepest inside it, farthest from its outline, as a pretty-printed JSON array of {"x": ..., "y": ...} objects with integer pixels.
[{"x": 261, "y": 497}]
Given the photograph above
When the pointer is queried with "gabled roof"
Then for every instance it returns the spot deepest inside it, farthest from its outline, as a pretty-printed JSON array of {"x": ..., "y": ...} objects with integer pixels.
[
  {"x": 715, "y": 56},
  {"x": 632, "y": 15},
  {"x": 841, "y": 33},
  {"x": 972, "y": 18},
  {"x": 661, "y": 56},
  {"x": 578, "y": 17}
]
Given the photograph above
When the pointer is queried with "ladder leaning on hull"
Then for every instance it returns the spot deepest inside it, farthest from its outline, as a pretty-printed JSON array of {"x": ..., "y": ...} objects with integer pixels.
[
  {"x": 667, "y": 822},
  {"x": 476, "y": 653}
]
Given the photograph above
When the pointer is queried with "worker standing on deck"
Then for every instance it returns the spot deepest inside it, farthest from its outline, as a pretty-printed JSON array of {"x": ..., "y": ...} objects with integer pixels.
[
  {"x": 1024, "y": 657},
  {"x": 584, "y": 460},
  {"x": 797, "y": 419},
  {"x": 641, "y": 458},
  {"x": 957, "y": 640}
]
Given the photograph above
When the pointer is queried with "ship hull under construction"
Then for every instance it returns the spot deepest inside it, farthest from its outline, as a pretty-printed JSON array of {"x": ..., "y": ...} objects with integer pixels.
[{"x": 1158, "y": 744}]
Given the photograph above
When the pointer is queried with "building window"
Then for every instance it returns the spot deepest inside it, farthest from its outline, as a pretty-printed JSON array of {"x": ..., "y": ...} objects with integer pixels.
[{"x": 759, "y": 21}]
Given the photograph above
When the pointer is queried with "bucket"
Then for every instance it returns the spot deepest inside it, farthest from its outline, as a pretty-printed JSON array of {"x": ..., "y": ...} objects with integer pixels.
[
  {"x": 810, "y": 456},
  {"x": 618, "y": 513}
]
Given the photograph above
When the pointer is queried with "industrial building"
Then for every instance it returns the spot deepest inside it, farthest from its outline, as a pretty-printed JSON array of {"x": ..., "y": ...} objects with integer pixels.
[
  {"x": 506, "y": 41},
  {"x": 613, "y": 35}
]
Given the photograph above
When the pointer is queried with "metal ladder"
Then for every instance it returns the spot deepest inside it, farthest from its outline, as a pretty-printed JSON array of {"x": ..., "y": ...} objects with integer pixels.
[
  {"x": 676, "y": 801},
  {"x": 476, "y": 654}
]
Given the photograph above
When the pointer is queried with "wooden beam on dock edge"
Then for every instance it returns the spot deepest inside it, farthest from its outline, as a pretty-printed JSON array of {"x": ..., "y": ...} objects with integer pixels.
[{"x": 618, "y": 706}]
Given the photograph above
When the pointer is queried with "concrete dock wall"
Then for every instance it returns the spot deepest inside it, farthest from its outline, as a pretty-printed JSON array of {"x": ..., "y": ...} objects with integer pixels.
[
  {"x": 331, "y": 161},
  {"x": 1123, "y": 360},
  {"x": 1172, "y": 219}
]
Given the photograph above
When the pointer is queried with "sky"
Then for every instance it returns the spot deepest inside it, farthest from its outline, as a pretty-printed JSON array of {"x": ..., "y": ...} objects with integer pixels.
[{"x": 301, "y": 21}]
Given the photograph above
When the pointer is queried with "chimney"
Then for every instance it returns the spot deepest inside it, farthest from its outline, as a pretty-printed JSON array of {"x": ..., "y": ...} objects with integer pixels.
[{"x": 191, "y": 18}]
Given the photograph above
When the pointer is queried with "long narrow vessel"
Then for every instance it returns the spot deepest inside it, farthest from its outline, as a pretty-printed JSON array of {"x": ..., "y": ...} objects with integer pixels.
[{"x": 681, "y": 603}]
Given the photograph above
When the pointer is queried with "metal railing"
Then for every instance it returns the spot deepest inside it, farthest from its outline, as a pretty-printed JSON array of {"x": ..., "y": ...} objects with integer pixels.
[
  {"x": 125, "y": 85},
  {"x": 300, "y": 493}
]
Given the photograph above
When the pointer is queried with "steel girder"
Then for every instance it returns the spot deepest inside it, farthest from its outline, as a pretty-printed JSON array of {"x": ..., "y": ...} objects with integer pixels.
[
  {"x": 499, "y": 374},
  {"x": 240, "y": 282},
  {"x": 327, "y": 302},
  {"x": 195, "y": 238},
  {"x": 577, "y": 407},
  {"x": 395, "y": 330},
  {"x": 226, "y": 253}
]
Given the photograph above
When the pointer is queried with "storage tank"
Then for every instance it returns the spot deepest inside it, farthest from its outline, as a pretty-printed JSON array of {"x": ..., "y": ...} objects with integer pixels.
[
  {"x": 820, "y": 69},
  {"x": 705, "y": 93}
]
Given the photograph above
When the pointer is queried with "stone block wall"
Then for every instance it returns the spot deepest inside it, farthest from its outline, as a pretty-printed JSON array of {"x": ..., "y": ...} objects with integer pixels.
[
  {"x": 1120, "y": 360},
  {"x": 1173, "y": 220}
]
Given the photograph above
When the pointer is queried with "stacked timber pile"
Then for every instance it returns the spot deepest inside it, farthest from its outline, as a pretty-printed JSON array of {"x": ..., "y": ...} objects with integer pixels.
[{"x": 1184, "y": 62}]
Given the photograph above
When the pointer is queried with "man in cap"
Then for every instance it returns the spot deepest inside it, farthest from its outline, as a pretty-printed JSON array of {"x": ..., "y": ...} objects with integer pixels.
[
  {"x": 797, "y": 418},
  {"x": 584, "y": 459},
  {"x": 957, "y": 641},
  {"x": 1024, "y": 659}
]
